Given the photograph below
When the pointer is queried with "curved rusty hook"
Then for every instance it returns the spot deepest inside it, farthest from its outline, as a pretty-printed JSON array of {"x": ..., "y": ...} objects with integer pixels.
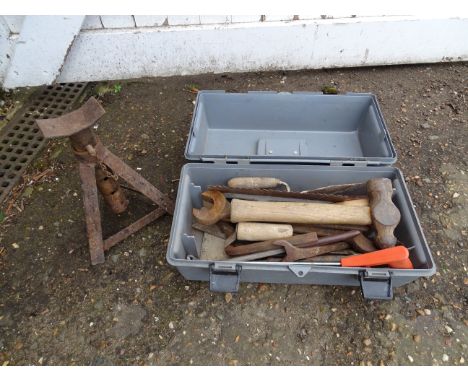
[{"x": 220, "y": 209}]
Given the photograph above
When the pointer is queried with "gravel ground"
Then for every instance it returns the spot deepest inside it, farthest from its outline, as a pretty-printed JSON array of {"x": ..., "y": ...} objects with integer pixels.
[{"x": 135, "y": 309}]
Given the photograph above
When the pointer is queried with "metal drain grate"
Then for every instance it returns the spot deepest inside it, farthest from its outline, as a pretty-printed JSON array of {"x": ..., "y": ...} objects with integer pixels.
[{"x": 21, "y": 140}]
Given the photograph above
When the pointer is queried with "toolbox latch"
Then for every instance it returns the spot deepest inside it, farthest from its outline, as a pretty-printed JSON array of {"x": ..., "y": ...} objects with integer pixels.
[
  {"x": 376, "y": 285},
  {"x": 224, "y": 277}
]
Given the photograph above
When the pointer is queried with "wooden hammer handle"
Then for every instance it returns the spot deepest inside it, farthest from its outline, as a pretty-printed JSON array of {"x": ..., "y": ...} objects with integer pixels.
[
  {"x": 263, "y": 231},
  {"x": 385, "y": 215},
  {"x": 292, "y": 212},
  {"x": 255, "y": 182}
]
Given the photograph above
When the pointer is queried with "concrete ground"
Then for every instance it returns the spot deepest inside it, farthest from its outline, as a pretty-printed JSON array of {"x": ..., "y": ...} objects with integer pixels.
[{"x": 135, "y": 309}]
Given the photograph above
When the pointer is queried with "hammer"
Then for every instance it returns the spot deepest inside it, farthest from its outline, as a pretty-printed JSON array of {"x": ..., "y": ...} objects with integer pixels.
[{"x": 382, "y": 213}]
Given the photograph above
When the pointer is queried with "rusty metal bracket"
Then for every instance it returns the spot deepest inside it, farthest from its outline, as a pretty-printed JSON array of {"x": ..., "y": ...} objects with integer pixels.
[{"x": 99, "y": 169}]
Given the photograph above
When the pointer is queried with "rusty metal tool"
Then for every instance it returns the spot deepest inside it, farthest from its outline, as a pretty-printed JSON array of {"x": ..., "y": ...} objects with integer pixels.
[
  {"x": 294, "y": 254},
  {"x": 342, "y": 252},
  {"x": 267, "y": 245},
  {"x": 259, "y": 255},
  {"x": 285, "y": 194},
  {"x": 395, "y": 257},
  {"x": 278, "y": 254},
  {"x": 99, "y": 170},
  {"x": 362, "y": 244},
  {"x": 331, "y": 256},
  {"x": 213, "y": 230},
  {"x": 343, "y": 236},
  {"x": 110, "y": 189},
  {"x": 325, "y": 244},
  {"x": 267, "y": 198},
  {"x": 359, "y": 242},
  {"x": 218, "y": 209},
  {"x": 385, "y": 215},
  {"x": 342, "y": 189},
  {"x": 226, "y": 227},
  {"x": 221, "y": 229},
  {"x": 304, "y": 228}
]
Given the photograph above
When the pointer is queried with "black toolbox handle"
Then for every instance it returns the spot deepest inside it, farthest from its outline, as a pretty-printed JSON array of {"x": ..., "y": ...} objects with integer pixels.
[
  {"x": 225, "y": 277},
  {"x": 376, "y": 285}
]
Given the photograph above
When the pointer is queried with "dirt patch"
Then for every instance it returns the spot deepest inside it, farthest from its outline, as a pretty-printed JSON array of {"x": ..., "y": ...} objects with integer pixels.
[{"x": 135, "y": 309}]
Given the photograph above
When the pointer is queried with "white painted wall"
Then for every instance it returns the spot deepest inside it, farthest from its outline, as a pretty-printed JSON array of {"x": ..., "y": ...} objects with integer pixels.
[
  {"x": 14, "y": 23},
  {"x": 120, "y": 47},
  {"x": 42, "y": 46},
  {"x": 7, "y": 44}
]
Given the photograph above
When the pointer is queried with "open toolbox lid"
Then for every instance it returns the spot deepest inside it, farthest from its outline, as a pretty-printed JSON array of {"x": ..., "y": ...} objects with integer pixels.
[{"x": 280, "y": 127}]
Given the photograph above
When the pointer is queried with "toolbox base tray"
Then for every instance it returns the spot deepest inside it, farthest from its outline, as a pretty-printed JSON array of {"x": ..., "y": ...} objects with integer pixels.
[{"x": 225, "y": 276}]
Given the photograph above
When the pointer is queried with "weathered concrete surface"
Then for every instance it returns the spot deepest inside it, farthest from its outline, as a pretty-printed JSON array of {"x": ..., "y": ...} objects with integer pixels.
[{"x": 135, "y": 309}]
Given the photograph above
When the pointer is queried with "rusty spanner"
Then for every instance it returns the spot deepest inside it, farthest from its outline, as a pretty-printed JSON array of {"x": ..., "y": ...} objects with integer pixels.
[
  {"x": 319, "y": 247},
  {"x": 294, "y": 254},
  {"x": 220, "y": 209}
]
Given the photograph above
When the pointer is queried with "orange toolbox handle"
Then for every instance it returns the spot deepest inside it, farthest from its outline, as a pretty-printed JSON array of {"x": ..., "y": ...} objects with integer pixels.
[{"x": 395, "y": 257}]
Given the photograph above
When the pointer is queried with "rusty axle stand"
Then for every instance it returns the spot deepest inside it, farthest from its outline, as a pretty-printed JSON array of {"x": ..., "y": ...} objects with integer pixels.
[{"x": 100, "y": 169}]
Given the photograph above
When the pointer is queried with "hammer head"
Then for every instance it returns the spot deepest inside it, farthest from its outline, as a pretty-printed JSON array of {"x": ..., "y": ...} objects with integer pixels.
[
  {"x": 71, "y": 123},
  {"x": 385, "y": 214}
]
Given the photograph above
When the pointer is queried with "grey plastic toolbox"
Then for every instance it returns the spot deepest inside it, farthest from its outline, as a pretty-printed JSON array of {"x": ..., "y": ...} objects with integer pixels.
[{"x": 308, "y": 140}]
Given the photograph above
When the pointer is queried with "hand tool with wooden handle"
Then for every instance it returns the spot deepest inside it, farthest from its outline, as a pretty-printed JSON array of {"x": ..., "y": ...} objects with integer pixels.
[
  {"x": 256, "y": 182},
  {"x": 385, "y": 215},
  {"x": 291, "y": 212},
  {"x": 220, "y": 208},
  {"x": 355, "y": 202},
  {"x": 263, "y": 231},
  {"x": 395, "y": 257}
]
